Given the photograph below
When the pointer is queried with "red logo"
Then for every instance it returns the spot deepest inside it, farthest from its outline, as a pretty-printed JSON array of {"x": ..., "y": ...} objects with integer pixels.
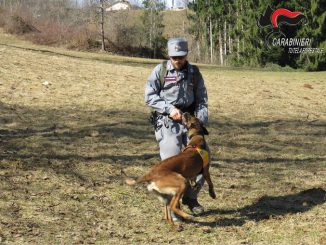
[
  {"x": 286, "y": 16},
  {"x": 274, "y": 19}
]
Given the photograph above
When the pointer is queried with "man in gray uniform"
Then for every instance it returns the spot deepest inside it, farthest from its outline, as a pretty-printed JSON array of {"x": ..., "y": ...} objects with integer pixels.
[{"x": 170, "y": 93}]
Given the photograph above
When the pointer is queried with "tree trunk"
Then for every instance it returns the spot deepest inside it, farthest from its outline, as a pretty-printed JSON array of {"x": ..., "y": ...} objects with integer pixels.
[
  {"x": 151, "y": 28},
  {"x": 199, "y": 53},
  {"x": 241, "y": 13},
  {"x": 230, "y": 40},
  {"x": 229, "y": 32},
  {"x": 211, "y": 37},
  {"x": 154, "y": 34},
  {"x": 238, "y": 48},
  {"x": 225, "y": 43},
  {"x": 220, "y": 43},
  {"x": 102, "y": 24},
  {"x": 238, "y": 39}
]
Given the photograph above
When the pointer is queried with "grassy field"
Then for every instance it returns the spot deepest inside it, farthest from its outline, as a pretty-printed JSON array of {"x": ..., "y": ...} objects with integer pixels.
[{"x": 70, "y": 121}]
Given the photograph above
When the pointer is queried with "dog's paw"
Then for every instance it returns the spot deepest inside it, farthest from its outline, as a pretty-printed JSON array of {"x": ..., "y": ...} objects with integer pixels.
[{"x": 190, "y": 217}]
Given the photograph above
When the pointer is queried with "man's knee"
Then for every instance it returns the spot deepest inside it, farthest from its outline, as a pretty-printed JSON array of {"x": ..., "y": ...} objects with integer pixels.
[
  {"x": 169, "y": 150},
  {"x": 170, "y": 142}
]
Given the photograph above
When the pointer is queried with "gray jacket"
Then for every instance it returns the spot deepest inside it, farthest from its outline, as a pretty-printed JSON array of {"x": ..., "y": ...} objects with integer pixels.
[{"x": 177, "y": 92}]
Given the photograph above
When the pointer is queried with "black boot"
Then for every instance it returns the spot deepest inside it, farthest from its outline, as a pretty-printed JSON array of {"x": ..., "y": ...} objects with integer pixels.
[{"x": 193, "y": 205}]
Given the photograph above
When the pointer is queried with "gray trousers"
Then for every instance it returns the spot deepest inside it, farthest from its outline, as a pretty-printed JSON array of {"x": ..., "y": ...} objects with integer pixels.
[{"x": 171, "y": 136}]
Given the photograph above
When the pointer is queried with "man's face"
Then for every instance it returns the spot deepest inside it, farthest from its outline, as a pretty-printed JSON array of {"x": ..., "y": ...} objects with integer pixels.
[{"x": 178, "y": 62}]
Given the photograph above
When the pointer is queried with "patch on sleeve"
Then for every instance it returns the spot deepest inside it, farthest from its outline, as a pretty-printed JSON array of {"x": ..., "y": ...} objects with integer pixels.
[{"x": 170, "y": 79}]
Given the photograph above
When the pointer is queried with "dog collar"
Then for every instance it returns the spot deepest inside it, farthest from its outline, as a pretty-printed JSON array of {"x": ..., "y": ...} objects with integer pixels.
[{"x": 204, "y": 155}]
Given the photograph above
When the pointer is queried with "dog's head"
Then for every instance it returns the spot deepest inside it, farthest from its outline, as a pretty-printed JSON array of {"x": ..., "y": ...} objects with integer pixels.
[{"x": 193, "y": 124}]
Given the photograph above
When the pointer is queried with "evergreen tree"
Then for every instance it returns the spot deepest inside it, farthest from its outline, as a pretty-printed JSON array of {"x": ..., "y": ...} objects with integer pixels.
[
  {"x": 198, "y": 28},
  {"x": 227, "y": 32},
  {"x": 316, "y": 30},
  {"x": 207, "y": 20},
  {"x": 153, "y": 27}
]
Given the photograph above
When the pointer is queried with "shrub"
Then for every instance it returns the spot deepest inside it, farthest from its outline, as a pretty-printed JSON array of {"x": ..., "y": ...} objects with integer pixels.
[
  {"x": 3, "y": 17},
  {"x": 83, "y": 38},
  {"x": 17, "y": 25}
]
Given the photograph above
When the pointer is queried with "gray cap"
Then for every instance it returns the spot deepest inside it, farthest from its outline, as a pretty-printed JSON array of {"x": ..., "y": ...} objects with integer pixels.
[{"x": 177, "y": 47}]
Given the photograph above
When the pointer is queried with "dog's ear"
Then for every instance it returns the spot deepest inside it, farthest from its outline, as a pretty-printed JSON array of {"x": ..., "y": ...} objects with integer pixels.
[{"x": 205, "y": 130}]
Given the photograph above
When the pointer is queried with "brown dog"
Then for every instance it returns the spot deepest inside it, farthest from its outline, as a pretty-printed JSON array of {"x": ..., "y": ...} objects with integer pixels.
[{"x": 170, "y": 178}]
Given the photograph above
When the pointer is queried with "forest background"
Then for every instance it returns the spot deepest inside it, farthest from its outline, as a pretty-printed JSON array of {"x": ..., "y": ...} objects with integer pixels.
[{"x": 219, "y": 32}]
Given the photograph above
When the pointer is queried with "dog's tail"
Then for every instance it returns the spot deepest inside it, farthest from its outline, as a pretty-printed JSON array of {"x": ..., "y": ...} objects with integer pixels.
[
  {"x": 128, "y": 180},
  {"x": 134, "y": 181}
]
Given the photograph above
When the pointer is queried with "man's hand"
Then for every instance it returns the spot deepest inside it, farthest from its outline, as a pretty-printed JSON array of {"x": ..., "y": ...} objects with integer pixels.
[{"x": 176, "y": 114}]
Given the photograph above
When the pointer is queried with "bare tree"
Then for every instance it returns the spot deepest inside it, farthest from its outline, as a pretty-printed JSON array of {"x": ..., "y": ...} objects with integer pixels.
[
  {"x": 102, "y": 8},
  {"x": 102, "y": 23},
  {"x": 211, "y": 38},
  {"x": 153, "y": 25}
]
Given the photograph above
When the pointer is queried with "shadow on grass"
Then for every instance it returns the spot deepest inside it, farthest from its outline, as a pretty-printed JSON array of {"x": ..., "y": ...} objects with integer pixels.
[
  {"x": 62, "y": 140},
  {"x": 37, "y": 137},
  {"x": 305, "y": 160},
  {"x": 268, "y": 207},
  {"x": 268, "y": 141}
]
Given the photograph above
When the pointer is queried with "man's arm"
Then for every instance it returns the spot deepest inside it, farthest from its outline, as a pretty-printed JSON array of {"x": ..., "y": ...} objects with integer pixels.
[
  {"x": 152, "y": 91},
  {"x": 201, "y": 100}
]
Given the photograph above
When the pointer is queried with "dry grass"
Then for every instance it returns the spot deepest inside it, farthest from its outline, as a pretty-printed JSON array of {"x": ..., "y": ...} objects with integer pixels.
[{"x": 63, "y": 145}]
